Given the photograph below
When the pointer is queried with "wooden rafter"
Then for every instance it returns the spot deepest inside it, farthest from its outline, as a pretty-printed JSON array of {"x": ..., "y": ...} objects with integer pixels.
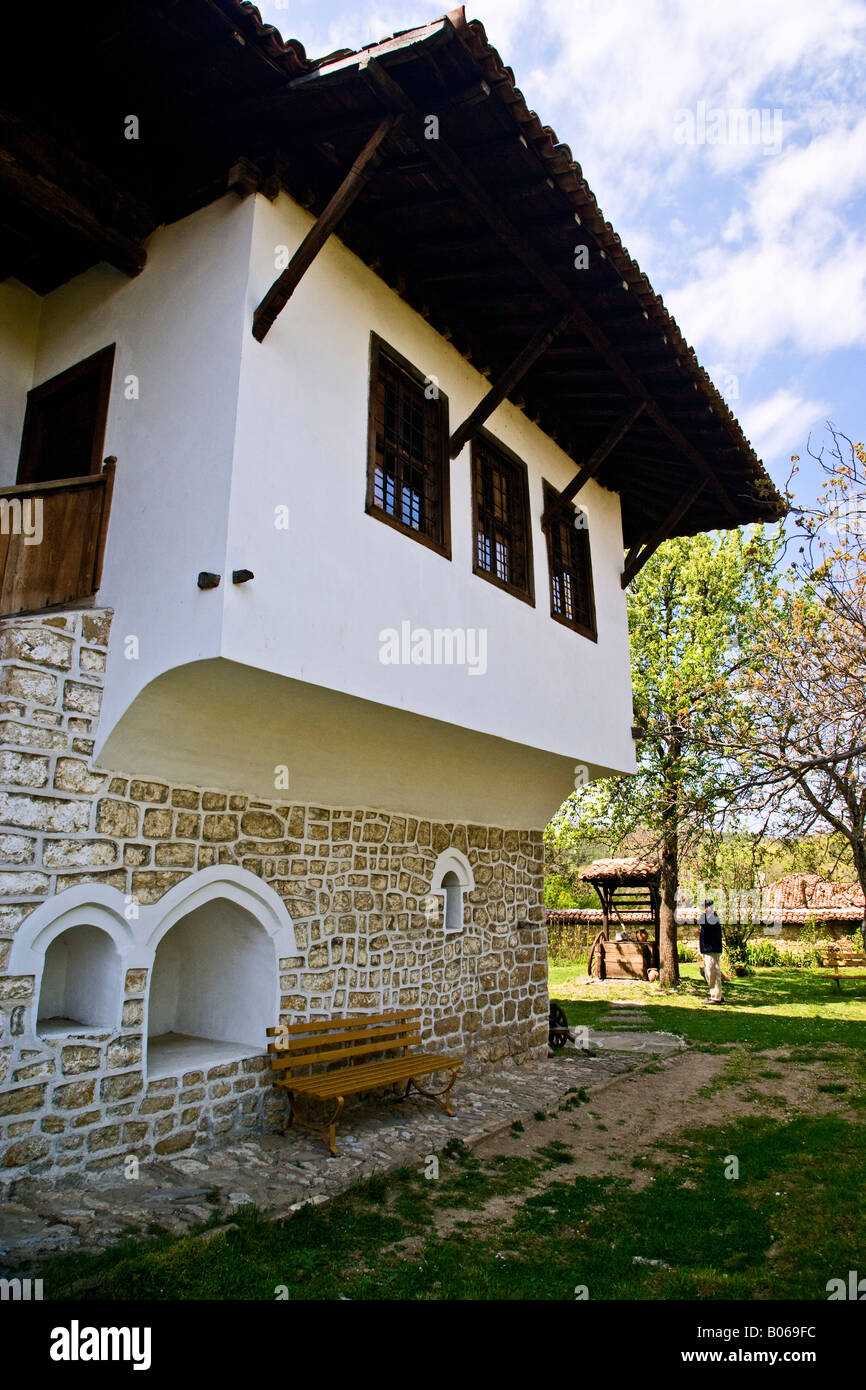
[
  {"x": 52, "y": 202},
  {"x": 507, "y": 381},
  {"x": 285, "y": 285},
  {"x": 598, "y": 456},
  {"x": 638, "y": 557},
  {"x": 453, "y": 166}
]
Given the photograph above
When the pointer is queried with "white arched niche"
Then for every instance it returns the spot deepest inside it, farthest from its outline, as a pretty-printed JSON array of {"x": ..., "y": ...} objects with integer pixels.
[
  {"x": 453, "y": 879},
  {"x": 76, "y": 945},
  {"x": 214, "y": 986},
  {"x": 81, "y": 982}
]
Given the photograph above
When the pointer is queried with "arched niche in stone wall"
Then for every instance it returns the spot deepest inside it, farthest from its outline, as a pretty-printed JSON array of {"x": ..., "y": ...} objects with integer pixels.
[
  {"x": 453, "y": 878},
  {"x": 223, "y": 962},
  {"x": 214, "y": 986},
  {"x": 81, "y": 983}
]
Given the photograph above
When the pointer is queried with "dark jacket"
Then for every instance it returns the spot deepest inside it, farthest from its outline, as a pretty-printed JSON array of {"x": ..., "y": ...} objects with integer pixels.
[{"x": 711, "y": 935}]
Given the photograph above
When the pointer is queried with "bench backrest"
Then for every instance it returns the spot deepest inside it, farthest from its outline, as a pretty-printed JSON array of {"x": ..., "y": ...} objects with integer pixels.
[
  {"x": 342, "y": 1040},
  {"x": 845, "y": 955}
]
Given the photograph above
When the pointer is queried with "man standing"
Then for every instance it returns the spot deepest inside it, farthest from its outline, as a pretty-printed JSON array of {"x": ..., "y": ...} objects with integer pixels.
[{"x": 711, "y": 950}]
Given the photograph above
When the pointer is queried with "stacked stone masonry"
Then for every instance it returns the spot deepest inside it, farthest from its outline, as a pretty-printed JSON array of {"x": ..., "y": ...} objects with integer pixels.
[{"x": 356, "y": 884}]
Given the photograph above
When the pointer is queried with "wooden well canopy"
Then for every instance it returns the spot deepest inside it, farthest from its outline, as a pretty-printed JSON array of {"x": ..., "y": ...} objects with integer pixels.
[
  {"x": 421, "y": 154},
  {"x": 630, "y": 895}
]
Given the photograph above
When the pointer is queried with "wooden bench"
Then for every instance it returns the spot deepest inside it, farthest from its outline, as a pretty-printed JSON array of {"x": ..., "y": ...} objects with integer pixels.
[
  {"x": 329, "y": 1059},
  {"x": 853, "y": 964}
]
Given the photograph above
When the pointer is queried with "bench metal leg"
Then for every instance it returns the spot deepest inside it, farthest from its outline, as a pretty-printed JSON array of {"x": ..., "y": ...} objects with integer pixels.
[
  {"x": 327, "y": 1130},
  {"x": 442, "y": 1098}
]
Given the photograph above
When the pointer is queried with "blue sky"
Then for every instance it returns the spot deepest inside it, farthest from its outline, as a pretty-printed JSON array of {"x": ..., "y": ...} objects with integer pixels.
[{"x": 754, "y": 236}]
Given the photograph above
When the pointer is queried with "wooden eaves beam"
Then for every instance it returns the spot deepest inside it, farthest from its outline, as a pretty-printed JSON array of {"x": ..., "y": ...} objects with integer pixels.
[
  {"x": 449, "y": 162},
  {"x": 51, "y": 201},
  {"x": 507, "y": 380},
  {"x": 598, "y": 456},
  {"x": 287, "y": 282},
  {"x": 640, "y": 553}
]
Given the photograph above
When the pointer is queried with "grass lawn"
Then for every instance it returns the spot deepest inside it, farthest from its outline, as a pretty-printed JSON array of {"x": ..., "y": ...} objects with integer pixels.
[
  {"x": 769, "y": 1008},
  {"x": 528, "y": 1225}
]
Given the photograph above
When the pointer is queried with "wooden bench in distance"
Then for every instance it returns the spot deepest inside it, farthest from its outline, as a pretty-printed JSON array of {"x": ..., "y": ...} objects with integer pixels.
[
  {"x": 329, "y": 1059},
  {"x": 853, "y": 964}
]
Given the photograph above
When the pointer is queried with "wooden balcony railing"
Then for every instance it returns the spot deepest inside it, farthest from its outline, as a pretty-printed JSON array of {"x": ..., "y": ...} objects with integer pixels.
[{"x": 52, "y": 539}]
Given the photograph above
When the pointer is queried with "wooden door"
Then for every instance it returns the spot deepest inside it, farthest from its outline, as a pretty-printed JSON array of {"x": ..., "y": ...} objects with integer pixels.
[{"x": 64, "y": 426}]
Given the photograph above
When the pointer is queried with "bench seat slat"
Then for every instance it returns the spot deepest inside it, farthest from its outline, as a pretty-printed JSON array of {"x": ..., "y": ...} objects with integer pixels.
[
  {"x": 285, "y": 1061},
  {"x": 354, "y": 1079}
]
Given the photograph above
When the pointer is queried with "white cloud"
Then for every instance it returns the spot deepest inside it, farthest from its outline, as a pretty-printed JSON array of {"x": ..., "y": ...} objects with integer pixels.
[
  {"x": 753, "y": 252},
  {"x": 803, "y": 292},
  {"x": 779, "y": 425}
]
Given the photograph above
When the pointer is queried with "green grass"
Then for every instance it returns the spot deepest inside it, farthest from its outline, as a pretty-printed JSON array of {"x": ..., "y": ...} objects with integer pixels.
[{"x": 770, "y": 1008}]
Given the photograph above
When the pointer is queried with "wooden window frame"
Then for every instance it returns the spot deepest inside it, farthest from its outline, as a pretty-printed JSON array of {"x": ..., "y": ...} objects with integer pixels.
[
  {"x": 99, "y": 363},
  {"x": 484, "y": 442},
  {"x": 553, "y": 506},
  {"x": 441, "y": 544}
]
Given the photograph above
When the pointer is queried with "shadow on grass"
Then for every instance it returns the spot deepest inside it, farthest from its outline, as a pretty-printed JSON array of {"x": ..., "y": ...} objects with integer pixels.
[{"x": 770, "y": 1008}]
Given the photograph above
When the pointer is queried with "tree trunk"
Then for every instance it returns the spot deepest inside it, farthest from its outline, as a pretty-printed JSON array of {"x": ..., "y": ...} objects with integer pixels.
[
  {"x": 859, "y": 849},
  {"x": 669, "y": 972}
]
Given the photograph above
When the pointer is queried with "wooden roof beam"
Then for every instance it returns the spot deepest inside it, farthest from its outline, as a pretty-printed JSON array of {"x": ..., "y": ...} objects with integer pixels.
[
  {"x": 507, "y": 380},
  {"x": 55, "y": 204},
  {"x": 637, "y": 557},
  {"x": 287, "y": 282},
  {"x": 446, "y": 159},
  {"x": 598, "y": 456}
]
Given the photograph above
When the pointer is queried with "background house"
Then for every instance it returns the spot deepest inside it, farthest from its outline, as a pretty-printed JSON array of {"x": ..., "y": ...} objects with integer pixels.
[{"x": 290, "y": 692}]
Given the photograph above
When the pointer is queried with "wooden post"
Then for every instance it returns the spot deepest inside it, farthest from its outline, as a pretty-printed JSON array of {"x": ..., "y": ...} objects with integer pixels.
[
  {"x": 108, "y": 470},
  {"x": 285, "y": 285}
]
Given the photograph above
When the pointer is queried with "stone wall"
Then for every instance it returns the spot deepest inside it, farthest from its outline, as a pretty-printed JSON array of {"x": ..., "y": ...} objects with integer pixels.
[{"x": 355, "y": 882}]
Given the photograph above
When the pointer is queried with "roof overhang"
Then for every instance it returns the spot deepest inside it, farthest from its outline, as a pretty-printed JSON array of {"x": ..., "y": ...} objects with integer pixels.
[{"x": 477, "y": 228}]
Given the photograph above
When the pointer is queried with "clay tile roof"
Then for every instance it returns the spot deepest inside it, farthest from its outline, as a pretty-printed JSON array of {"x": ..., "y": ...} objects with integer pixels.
[
  {"x": 813, "y": 891},
  {"x": 642, "y": 870}
]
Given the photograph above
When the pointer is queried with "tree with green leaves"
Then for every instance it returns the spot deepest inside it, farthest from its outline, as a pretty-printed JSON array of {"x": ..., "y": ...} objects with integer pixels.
[
  {"x": 692, "y": 612},
  {"x": 804, "y": 755}
]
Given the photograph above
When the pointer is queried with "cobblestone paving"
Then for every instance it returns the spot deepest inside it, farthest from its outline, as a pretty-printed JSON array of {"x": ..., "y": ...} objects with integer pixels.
[{"x": 278, "y": 1172}]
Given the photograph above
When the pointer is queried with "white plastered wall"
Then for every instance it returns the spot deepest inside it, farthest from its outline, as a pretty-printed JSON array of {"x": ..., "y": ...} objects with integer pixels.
[
  {"x": 20, "y": 311},
  {"x": 177, "y": 327},
  {"x": 327, "y": 587}
]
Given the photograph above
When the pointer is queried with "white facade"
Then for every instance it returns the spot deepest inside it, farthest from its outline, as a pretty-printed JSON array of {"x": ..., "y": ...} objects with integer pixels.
[{"x": 216, "y": 435}]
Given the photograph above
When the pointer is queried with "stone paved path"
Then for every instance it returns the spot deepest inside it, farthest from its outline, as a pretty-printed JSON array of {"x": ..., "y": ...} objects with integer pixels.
[
  {"x": 277, "y": 1173},
  {"x": 627, "y": 1027}
]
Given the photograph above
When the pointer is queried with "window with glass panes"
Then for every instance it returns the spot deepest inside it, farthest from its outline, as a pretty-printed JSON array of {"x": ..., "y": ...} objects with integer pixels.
[
  {"x": 571, "y": 594},
  {"x": 502, "y": 538},
  {"x": 407, "y": 468}
]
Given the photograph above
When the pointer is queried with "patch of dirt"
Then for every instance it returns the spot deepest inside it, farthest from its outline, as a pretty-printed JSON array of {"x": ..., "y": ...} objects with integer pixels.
[{"x": 625, "y": 1118}]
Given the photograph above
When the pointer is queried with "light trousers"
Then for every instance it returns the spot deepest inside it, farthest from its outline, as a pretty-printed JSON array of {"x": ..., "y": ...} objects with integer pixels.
[{"x": 713, "y": 973}]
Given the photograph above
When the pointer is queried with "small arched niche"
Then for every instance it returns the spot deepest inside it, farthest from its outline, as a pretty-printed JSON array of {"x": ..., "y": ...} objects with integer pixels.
[
  {"x": 453, "y": 878},
  {"x": 81, "y": 982},
  {"x": 212, "y": 991},
  {"x": 453, "y": 891}
]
